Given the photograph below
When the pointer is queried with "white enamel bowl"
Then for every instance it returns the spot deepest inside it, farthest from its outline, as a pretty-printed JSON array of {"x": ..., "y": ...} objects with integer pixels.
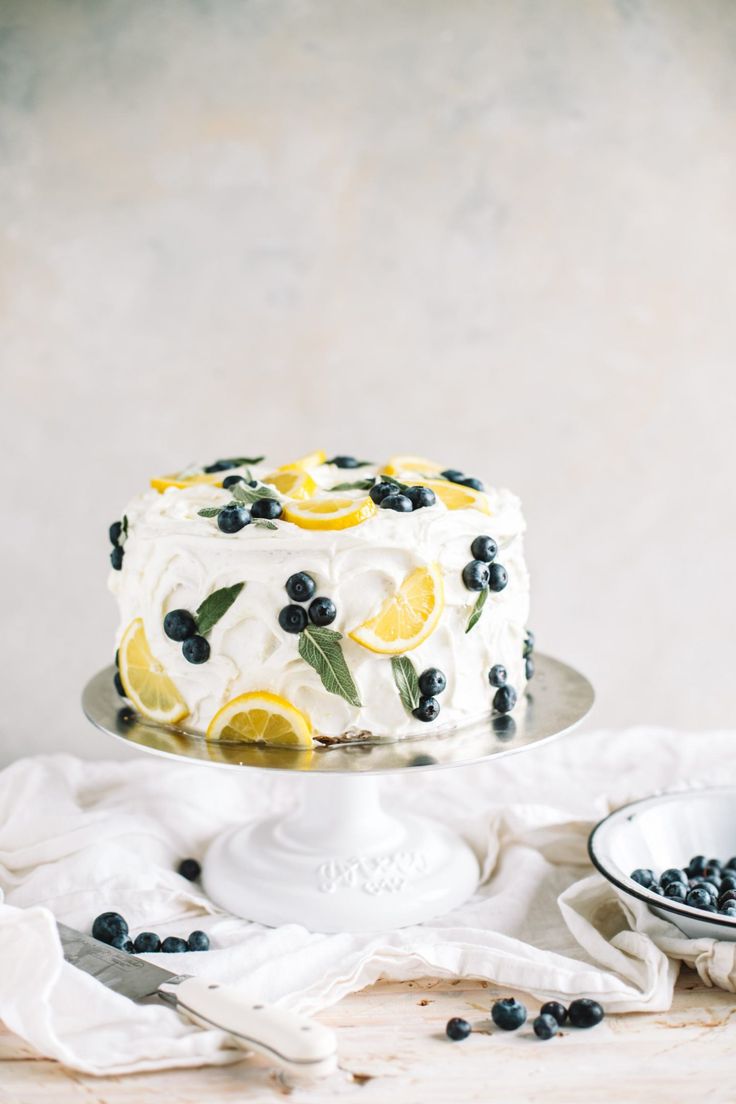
[{"x": 664, "y": 831}]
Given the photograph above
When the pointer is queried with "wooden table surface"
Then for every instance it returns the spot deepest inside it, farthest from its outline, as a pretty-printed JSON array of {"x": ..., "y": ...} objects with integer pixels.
[{"x": 393, "y": 1049}]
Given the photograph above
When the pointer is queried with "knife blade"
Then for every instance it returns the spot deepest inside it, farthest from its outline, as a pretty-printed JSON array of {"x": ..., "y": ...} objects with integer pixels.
[{"x": 295, "y": 1043}]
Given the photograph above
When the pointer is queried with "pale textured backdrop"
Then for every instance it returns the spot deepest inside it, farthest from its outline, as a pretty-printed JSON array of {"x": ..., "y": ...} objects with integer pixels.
[{"x": 501, "y": 233}]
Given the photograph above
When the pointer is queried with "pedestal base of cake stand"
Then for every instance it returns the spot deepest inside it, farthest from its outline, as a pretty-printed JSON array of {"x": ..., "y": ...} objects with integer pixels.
[{"x": 340, "y": 862}]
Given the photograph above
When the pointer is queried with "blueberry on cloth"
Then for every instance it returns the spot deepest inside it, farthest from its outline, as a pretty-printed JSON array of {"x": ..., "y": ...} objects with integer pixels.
[
  {"x": 484, "y": 548},
  {"x": 427, "y": 710},
  {"x": 189, "y": 869},
  {"x": 529, "y": 668},
  {"x": 545, "y": 1026},
  {"x": 232, "y": 518},
  {"x": 116, "y": 532},
  {"x": 504, "y": 699},
  {"x": 398, "y": 502},
  {"x": 147, "y": 943},
  {"x": 420, "y": 497},
  {"x": 179, "y": 625},
  {"x": 497, "y": 675},
  {"x": 432, "y": 682},
  {"x": 322, "y": 611},
  {"x": 199, "y": 941},
  {"x": 173, "y": 945},
  {"x": 109, "y": 925},
  {"x": 555, "y": 1009},
  {"x": 118, "y": 684},
  {"x": 671, "y": 875},
  {"x": 643, "y": 876},
  {"x": 497, "y": 577},
  {"x": 476, "y": 575},
  {"x": 300, "y": 587},
  {"x": 508, "y": 1014},
  {"x": 381, "y": 491},
  {"x": 267, "y": 508},
  {"x": 293, "y": 619},
  {"x": 457, "y": 1028},
  {"x": 116, "y": 558},
  {"x": 196, "y": 649},
  {"x": 585, "y": 1012}
]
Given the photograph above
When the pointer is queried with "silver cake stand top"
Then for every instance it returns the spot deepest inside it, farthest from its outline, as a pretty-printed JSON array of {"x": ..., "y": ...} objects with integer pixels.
[{"x": 557, "y": 700}]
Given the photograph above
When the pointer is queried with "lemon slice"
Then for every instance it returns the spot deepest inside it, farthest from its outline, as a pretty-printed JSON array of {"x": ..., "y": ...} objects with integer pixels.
[
  {"x": 330, "y": 513},
  {"x": 406, "y": 618},
  {"x": 292, "y": 483},
  {"x": 455, "y": 496},
  {"x": 145, "y": 681},
  {"x": 161, "y": 483},
  {"x": 400, "y": 465},
  {"x": 305, "y": 463},
  {"x": 260, "y": 717}
]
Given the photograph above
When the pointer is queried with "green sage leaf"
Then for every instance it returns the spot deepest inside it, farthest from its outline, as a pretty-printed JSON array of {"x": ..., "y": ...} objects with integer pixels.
[
  {"x": 477, "y": 610},
  {"x": 320, "y": 648},
  {"x": 245, "y": 495},
  {"x": 209, "y": 511},
  {"x": 216, "y": 606},
  {"x": 407, "y": 681}
]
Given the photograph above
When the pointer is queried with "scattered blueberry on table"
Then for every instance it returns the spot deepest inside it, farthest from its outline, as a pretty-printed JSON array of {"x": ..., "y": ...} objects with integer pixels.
[
  {"x": 704, "y": 884},
  {"x": 172, "y": 944},
  {"x": 111, "y": 928},
  {"x": 457, "y": 1029},
  {"x": 554, "y": 1008},
  {"x": 509, "y": 1014},
  {"x": 545, "y": 1026},
  {"x": 585, "y": 1012},
  {"x": 108, "y": 926},
  {"x": 147, "y": 943},
  {"x": 189, "y": 869},
  {"x": 198, "y": 941}
]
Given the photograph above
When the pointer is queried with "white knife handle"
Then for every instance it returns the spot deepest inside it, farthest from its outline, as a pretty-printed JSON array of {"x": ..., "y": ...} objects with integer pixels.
[{"x": 294, "y": 1042}]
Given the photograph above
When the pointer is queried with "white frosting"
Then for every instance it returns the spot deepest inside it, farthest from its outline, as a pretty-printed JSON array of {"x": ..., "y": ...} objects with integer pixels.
[{"x": 174, "y": 558}]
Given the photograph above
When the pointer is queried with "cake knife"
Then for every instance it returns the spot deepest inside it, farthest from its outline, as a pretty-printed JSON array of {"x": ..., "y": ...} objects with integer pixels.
[{"x": 294, "y": 1043}]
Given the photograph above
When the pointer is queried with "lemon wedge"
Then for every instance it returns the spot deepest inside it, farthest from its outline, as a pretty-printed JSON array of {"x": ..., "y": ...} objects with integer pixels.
[
  {"x": 399, "y": 466},
  {"x": 161, "y": 483},
  {"x": 260, "y": 717},
  {"x": 407, "y": 617},
  {"x": 305, "y": 463},
  {"x": 330, "y": 513},
  {"x": 455, "y": 496},
  {"x": 292, "y": 483},
  {"x": 144, "y": 679}
]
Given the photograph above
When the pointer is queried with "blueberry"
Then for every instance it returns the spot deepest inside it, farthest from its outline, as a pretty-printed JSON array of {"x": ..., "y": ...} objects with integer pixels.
[
  {"x": 545, "y": 1026},
  {"x": 728, "y": 882},
  {"x": 293, "y": 619},
  {"x": 420, "y": 497},
  {"x": 118, "y": 684},
  {"x": 729, "y": 909},
  {"x": 508, "y": 1014},
  {"x": 696, "y": 866},
  {"x": 698, "y": 898},
  {"x": 452, "y": 474},
  {"x": 199, "y": 941},
  {"x": 232, "y": 518},
  {"x": 220, "y": 465},
  {"x": 556, "y": 1010},
  {"x": 128, "y": 946},
  {"x": 504, "y": 699},
  {"x": 676, "y": 891},
  {"x": 457, "y": 1029},
  {"x": 484, "y": 549},
  {"x": 643, "y": 876},
  {"x": 432, "y": 682},
  {"x": 109, "y": 925},
  {"x": 529, "y": 667},
  {"x": 427, "y": 710},
  {"x": 268, "y": 508},
  {"x": 322, "y": 611},
  {"x": 116, "y": 532},
  {"x": 173, "y": 945},
  {"x": 497, "y": 675},
  {"x": 672, "y": 874},
  {"x": 345, "y": 462},
  {"x": 147, "y": 943},
  {"x": 398, "y": 502},
  {"x": 497, "y": 576},
  {"x": 731, "y": 864},
  {"x": 121, "y": 943},
  {"x": 476, "y": 575},
  {"x": 196, "y": 649},
  {"x": 585, "y": 1012},
  {"x": 179, "y": 624},
  {"x": 528, "y": 644},
  {"x": 469, "y": 481},
  {"x": 230, "y": 481},
  {"x": 381, "y": 491},
  {"x": 713, "y": 866},
  {"x": 116, "y": 558},
  {"x": 727, "y": 896},
  {"x": 300, "y": 587},
  {"x": 422, "y": 760},
  {"x": 711, "y": 887},
  {"x": 189, "y": 869}
]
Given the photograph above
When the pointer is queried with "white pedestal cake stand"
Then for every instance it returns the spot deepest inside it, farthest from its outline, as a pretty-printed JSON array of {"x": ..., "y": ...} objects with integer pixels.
[{"x": 340, "y": 861}]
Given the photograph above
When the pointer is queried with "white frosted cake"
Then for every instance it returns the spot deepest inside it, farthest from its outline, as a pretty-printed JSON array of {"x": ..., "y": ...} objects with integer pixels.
[{"x": 321, "y": 600}]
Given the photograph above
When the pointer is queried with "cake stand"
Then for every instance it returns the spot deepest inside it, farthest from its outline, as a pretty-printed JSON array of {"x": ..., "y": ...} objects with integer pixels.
[{"x": 340, "y": 860}]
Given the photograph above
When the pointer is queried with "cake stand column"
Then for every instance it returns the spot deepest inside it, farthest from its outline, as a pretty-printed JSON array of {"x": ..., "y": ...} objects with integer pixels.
[{"x": 340, "y": 861}]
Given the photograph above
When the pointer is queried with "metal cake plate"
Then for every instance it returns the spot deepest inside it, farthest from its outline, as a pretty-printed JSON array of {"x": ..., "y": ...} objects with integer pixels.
[{"x": 557, "y": 699}]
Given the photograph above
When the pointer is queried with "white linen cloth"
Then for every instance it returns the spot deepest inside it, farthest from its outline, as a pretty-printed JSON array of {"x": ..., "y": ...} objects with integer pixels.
[{"x": 79, "y": 838}]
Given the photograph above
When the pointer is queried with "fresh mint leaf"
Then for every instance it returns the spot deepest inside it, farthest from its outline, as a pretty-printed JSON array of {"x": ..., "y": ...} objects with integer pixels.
[
  {"x": 407, "y": 681},
  {"x": 263, "y": 523},
  {"x": 480, "y": 601},
  {"x": 320, "y": 648},
  {"x": 209, "y": 511},
  {"x": 216, "y": 606},
  {"x": 245, "y": 495}
]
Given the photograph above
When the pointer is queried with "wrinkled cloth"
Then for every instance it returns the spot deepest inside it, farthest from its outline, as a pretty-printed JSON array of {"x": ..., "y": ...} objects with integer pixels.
[{"x": 79, "y": 838}]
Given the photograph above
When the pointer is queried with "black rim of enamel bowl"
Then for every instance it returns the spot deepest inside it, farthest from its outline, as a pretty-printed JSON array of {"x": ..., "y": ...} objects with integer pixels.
[{"x": 632, "y": 888}]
